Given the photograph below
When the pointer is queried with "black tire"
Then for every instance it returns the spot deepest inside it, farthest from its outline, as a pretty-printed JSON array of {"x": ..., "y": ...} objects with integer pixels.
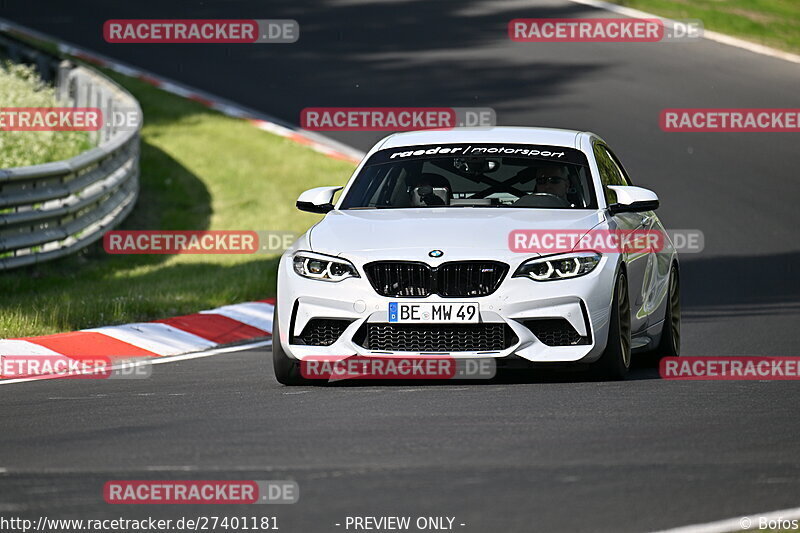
[
  {"x": 616, "y": 359},
  {"x": 287, "y": 370},
  {"x": 670, "y": 344}
]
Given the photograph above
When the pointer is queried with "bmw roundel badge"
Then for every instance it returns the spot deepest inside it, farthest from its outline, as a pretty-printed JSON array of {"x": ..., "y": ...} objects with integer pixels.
[{"x": 436, "y": 253}]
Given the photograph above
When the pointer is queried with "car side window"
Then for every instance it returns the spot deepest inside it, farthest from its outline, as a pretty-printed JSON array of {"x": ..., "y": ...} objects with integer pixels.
[{"x": 611, "y": 173}]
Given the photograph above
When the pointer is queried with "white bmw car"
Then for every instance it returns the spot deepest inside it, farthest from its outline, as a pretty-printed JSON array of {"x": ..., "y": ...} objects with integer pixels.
[{"x": 415, "y": 257}]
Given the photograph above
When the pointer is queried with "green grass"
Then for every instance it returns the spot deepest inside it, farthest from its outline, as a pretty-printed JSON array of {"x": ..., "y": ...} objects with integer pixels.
[
  {"x": 199, "y": 170},
  {"x": 773, "y": 23}
]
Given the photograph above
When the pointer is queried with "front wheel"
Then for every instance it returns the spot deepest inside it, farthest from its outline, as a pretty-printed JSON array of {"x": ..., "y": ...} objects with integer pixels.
[
  {"x": 616, "y": 358},
  {"x": 287, "y": 370},
  {"x": 670, "y": 345}
]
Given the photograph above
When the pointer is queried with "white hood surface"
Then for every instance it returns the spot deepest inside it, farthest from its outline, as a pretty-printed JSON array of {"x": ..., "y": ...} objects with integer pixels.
[{"x": 460, "y": 232}]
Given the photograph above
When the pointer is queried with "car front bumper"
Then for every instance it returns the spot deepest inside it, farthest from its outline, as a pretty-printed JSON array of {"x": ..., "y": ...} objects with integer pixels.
[{"x": 583, "y": 302}]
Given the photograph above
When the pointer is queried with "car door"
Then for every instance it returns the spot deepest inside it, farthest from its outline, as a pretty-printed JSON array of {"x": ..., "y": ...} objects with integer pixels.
[{"x": 612, "y": 173}]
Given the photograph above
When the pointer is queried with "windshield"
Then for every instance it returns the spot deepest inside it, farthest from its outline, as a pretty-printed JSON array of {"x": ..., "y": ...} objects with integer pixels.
[{"x": 476, "y": 175}]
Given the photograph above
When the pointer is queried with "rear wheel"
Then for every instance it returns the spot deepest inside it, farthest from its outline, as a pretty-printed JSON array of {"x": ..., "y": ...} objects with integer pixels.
[
  {"x": 616, "y": 358},
  {"x": 287, "y": 370}
]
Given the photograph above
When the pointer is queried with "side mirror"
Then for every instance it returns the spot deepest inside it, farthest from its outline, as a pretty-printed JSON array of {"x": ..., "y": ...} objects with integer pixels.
[
  {"x": 317, "y": 200},
  {"x": 633, "y": 199}
]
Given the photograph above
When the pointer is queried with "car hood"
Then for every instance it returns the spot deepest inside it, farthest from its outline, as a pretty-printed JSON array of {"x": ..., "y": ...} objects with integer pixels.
[{"x": 458, "y": 232}]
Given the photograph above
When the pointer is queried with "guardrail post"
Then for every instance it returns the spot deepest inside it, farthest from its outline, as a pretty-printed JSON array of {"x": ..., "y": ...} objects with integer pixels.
[{"x": 62, "y": 81}]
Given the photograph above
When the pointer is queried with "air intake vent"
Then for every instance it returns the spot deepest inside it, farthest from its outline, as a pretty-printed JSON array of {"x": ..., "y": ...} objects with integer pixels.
[
  {"x": 401, "y": 279},
  {"x": 457, "y": 279},
  {"x": 427, "y": 338},
  {"x": 556, "y": 332},
  {"x": 321, "y": 331}
]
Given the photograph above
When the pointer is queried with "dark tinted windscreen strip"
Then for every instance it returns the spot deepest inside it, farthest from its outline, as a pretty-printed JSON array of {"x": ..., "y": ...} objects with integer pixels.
[{"x": 546, "y": 153}]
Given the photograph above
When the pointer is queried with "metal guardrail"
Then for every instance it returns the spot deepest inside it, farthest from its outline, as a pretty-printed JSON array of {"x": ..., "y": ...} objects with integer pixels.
[{"x": 55, "y": 209}]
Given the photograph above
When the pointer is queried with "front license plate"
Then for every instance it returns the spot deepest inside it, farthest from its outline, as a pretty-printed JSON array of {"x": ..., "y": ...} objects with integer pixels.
[{"x": 462, "y": 312}]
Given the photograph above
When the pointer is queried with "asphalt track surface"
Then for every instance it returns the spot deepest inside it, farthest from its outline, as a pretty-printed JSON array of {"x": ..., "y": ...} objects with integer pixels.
[{"x": 554, "y": 454}]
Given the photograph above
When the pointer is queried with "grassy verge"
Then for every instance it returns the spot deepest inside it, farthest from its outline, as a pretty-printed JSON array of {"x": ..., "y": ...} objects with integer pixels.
[
  {"x": 774, "y": 23},
  {"x": 199, "y": 170}
]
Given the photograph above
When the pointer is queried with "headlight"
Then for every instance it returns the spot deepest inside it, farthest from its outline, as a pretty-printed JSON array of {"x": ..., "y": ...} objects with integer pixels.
[
  {"x": 323, "y": 267},
  {"x": 561, "y": 266}
]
